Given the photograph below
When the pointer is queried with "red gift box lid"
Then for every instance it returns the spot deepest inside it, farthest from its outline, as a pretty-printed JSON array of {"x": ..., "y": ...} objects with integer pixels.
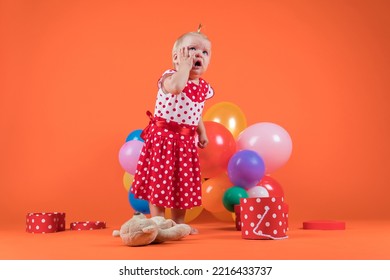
[{"x": 324, "y": 225}]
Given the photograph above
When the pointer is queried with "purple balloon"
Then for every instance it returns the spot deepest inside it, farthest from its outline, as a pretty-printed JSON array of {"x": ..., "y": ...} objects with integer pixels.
[
  {"x": 129, "y": 154},
  {"x": 246, "y": 168}
]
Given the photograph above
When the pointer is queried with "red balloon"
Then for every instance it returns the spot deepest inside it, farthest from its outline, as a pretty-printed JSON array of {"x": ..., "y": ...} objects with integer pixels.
[
  {"x": 272, "y": 186},
  {"x": 215, "y": 157}
]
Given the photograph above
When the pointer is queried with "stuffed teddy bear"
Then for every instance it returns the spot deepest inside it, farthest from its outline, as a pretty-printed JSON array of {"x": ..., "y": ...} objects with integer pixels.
[{"x": 140, "y": 231}]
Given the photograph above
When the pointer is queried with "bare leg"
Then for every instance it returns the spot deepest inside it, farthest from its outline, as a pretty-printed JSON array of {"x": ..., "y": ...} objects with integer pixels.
[
  {"x": 178, "y": 216},
  {"x": 156, "y": 210}
]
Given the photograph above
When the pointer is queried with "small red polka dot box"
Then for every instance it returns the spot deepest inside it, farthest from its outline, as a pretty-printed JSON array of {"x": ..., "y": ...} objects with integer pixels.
[
  {"x": 263, "y": 218},
  {"x": 45, "y": 222},
  {"x": 237, "y": 212}
]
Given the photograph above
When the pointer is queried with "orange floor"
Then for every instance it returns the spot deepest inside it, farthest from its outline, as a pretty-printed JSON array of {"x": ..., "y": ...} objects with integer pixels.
[{"x": 217, "y": 240}]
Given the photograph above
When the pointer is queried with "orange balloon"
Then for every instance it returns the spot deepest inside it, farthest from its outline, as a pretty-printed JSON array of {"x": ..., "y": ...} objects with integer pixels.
[
  {"x": 224, "y": 216},
  {"x": 191, "y": 214},
  {"x": 127, "y": 180},
  {"x": 229, "y": 115},
  {"x": 213, "y": 190}
]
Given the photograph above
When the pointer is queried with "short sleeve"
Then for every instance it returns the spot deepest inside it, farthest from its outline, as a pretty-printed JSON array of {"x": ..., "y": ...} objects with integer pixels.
[
  {"x": 210, "y": 93},
  {"x": 163, "y": 76}
]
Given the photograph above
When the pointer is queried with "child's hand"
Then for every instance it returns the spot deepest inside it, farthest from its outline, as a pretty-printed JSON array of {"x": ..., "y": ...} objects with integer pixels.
[
  {"x": 203, "y": 141},
  {"x": 185, "y": 58}
]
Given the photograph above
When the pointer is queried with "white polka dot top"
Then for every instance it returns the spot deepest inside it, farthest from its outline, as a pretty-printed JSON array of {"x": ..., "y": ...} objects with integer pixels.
[{"x": 185, "y": 107}]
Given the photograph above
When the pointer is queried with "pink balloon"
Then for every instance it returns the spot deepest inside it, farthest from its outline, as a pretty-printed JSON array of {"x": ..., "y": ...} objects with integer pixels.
[
  {"x": 271, "y": 141},
  {"x": 129, "y": 154}
]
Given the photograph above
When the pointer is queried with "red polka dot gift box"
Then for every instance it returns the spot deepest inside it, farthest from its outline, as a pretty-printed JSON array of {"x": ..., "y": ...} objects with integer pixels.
[
  {"x": 87, "y": 225},
  {"x": 263, "y": 218},
  {"x": 45, "y": 222},
  {"x": 237, "y": 212}
]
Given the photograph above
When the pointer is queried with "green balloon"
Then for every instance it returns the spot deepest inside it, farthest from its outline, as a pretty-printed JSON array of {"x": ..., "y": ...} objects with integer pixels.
[{"x": 232, "y": 197}]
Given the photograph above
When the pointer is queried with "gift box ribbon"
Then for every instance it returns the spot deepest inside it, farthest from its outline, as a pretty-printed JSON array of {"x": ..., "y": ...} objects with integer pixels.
[{"x": 263, "y": 218}]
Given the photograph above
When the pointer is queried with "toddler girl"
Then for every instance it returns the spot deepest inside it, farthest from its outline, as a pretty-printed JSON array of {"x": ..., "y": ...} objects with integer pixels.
[{"x": 168, "y": 171}]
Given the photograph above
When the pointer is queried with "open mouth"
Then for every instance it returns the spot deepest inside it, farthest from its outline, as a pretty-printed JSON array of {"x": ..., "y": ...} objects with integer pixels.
[{"x": 198, "y": 63}]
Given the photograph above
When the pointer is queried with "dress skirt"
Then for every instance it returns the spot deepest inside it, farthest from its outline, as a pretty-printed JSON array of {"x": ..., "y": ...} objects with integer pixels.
[{"x": 168, "y": 171}]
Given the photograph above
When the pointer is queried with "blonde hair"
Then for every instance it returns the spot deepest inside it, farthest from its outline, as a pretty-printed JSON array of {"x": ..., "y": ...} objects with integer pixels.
[{"x": 179, "y": 40}]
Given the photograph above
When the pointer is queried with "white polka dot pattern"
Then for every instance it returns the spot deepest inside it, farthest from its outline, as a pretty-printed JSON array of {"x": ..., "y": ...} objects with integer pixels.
[
  {"x": 263, "y": 218},
  {"x": 45, "y": 222},
  {"x": 168, "y": 171},
  {"x": 87, "y": 225},
  {"x": 183, "y": 108}
]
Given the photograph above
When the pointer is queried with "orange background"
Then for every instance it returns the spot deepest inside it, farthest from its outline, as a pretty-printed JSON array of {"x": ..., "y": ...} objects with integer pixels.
[{"x": 77, "y": 76}]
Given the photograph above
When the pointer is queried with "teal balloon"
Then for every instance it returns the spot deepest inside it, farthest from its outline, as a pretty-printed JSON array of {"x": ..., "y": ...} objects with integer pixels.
[
  {"x": 135, "y": 135},
  {"x": 232, "y": 197}
]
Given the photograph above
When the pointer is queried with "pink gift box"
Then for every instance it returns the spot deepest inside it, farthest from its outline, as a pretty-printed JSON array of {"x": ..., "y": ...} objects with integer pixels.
[{"x": 263, "y": 218}]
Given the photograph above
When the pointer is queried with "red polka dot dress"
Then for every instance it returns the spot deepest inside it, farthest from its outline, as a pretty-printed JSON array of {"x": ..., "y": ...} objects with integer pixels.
[{"x": 168, "y": 171}]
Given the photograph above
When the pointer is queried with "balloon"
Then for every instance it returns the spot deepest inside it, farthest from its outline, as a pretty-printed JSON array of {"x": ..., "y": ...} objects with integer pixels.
[
  {"x": 139, "y": 205},
  {"x": 127, "y": 180},
  {"x": 215, "y": 157},
  {"x": 135, "y": 135},
  {"x": 229, "y": 115},
  {"x": 258, "y": 191},
  {"x": 272, "y": 186},
  {"x": 270, "y": 141},
  {"x": 191, "y": 214},
  {"x": 246, "y": 168},
  {"x": 224, "y": 216},
  {"x": 232, "y": 197},
  {"x": 212, "y": 193},
  {"x": 129, "y": 154}
]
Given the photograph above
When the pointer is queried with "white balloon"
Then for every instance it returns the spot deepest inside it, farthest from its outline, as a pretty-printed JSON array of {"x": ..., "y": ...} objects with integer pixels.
[{"x": 258, "y": 191}]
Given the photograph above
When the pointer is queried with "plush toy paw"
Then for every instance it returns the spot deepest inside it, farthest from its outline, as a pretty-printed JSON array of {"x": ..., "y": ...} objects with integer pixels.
[{"x": 176, "y": 232}]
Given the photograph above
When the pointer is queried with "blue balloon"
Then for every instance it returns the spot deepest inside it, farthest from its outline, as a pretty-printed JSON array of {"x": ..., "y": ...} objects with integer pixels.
[
  {"x": 246, "y": 168},
  {"x": 135, "y": 135},
  {"x": 139, "y": 205}
]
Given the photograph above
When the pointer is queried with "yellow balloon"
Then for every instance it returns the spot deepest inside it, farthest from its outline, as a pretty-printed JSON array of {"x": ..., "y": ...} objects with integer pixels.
[
  {"x": 191, "y": 214},
  {"x": 127, "y": 180},
  {"x": 229, "y": 115}
]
